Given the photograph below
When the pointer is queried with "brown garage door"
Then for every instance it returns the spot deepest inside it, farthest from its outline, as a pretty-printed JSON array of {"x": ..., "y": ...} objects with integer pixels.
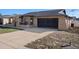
[{"x": 48, "y": 22}]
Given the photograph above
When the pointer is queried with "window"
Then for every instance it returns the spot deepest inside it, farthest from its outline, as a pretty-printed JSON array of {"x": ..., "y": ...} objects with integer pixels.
[
  {"x": 31, "y": 21},
  {"x": 72, "y": 24}
]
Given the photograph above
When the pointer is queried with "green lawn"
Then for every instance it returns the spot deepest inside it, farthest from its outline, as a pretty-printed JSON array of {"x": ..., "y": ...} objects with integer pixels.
[{"x": 7, "y": 30}]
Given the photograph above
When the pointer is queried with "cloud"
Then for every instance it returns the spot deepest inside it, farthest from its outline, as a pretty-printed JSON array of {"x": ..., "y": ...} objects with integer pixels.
[{"x": 73, "y": 12}]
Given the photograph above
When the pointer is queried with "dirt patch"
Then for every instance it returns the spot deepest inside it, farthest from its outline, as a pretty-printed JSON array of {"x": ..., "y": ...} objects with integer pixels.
[
  {"x": 56, "y": 40},
  {"x": 74, "y": 30}
]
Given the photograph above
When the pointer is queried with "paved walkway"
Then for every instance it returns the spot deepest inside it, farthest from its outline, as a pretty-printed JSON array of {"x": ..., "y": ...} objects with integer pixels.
[{"x": 19, "y": 38}]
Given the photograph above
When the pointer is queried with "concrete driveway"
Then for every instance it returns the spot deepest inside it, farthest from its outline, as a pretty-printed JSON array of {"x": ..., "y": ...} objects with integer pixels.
[
  {"x": 40, "y": 30},
  {"x": 19, "y": 38}
]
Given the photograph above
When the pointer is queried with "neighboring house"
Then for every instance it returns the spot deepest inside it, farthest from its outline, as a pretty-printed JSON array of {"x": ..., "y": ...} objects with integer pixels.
[
  {"x": 7, "y": 20},
  {"x": 50, "y": 19},
  {"x": 77, "y": 19},
  {"x": 75, "y": 22}
]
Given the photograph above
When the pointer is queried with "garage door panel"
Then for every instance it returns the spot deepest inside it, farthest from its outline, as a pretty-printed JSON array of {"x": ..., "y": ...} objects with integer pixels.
[{"x": 48, "y": 22}]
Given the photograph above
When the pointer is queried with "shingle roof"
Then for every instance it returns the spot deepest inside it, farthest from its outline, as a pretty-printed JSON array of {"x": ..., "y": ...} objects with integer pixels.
[
  {"x": 7, "y": 16},
  {"x": 48, "y": 13}
]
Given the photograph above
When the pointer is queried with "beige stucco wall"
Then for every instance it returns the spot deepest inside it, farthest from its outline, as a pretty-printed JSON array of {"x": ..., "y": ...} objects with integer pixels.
[
  {"x": 35, "y": 22},
  {"x": 62, "y": 23},
  {"x": 17, "y": 20},
  {"x": 68, "y": 22}
]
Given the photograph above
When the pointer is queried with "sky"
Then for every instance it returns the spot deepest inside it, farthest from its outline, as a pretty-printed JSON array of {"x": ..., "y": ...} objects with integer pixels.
[
  {"x": 18, "y": 11},
  {"x": 70, "y": 12},
  {"x": 73, "y": 12}
]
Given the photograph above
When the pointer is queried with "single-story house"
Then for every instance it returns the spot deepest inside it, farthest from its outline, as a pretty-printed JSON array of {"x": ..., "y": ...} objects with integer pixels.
[
  {"x": 50, "y": 19},
  {"x": 46, "y": 19}
]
